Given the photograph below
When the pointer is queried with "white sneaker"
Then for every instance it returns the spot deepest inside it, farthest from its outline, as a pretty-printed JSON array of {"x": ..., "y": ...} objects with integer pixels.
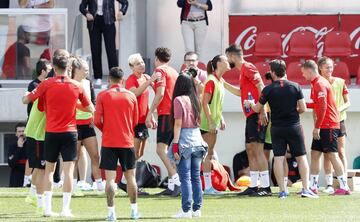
[
  {"x": 329, "y": 190},
  {"x": 111, "y": 217},
  {"x": 196, "y": 213},
  {"x": 66, "y": 213},
  {"x": 183, "y": 214},
  {"x": 84, "y": 186},
  {"x": 51, "y": 214},
  {"x": 98, "y": 82}
]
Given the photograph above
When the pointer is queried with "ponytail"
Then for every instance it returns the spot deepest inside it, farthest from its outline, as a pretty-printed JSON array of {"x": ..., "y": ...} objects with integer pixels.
[{"x": 212, "y": 64}]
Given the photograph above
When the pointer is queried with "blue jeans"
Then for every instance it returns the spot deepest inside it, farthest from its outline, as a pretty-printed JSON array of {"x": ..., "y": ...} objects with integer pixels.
[{"x": 189, "y": 173}]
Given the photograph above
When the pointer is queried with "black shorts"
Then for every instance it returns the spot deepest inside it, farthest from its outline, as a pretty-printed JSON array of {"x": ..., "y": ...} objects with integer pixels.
[
  {"x": 327, "y": 142},
  {"x": 342, "y": 129},
  {"x": 60, "y": 143},
  {"x": 164, "y": 132},
  {"x": 141, "y": 131},
  {"x": 110, "y": 156},
  {"x": 292, "y": 136},
  {"x": 35, "y": 153},
  {"x": 85, "y": 131},
  {"x": 254, "y": 131},
  {"x": 268, "y": 146}
]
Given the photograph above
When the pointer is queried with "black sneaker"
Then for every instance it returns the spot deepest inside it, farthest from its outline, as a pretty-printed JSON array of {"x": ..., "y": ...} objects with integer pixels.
[
  {"x": 122, "y": 186},
  {"x": 177, "y": 191},
  {"x": 249, "y": 191},
  {"x": 166, "y": 192},
  {"x": 262, "y": 192},
  {"x": 142, "y": 192}
]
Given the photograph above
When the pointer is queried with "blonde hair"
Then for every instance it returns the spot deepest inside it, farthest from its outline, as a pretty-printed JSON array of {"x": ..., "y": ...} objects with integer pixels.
[{"x": 134, "y": 58}]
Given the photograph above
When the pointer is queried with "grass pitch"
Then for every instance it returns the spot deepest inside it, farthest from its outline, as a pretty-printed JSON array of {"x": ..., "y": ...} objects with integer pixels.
[{"x": 229, "y": 207}]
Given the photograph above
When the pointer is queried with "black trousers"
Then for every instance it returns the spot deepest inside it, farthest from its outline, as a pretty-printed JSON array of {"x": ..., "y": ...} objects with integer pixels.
[{"x": 96, "y": 32}]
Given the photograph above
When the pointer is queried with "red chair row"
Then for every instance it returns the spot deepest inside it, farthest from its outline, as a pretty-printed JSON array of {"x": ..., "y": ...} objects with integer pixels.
[{"x": 302, "y": 44}]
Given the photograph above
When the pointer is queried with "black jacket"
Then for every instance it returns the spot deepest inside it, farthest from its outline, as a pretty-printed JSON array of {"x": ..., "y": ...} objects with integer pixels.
[
  {"x": 90, "y": 6},
  {"x": 181, "y": 4}
]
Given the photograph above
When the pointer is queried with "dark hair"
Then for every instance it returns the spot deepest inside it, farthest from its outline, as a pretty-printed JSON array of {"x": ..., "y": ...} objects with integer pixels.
[
  {"x": 60, "y": 60},
  {"x": 212, "y": 64},
  {"x": 20, "y": 32},
  {"x": 323, "y": 60},
  {"x": 310, "y": 64},
  {"x": 190, "y": 54},
  {"x": 184, "y": 85},
  {"x": 19, "y": 125},
  {"x": 116, "y": 74},
  {"x": 234, "y": 49},
  {"x": 41, "y": 65},
  {"x": 163, "y": 54},
  {"x": 278, "y": 66}
]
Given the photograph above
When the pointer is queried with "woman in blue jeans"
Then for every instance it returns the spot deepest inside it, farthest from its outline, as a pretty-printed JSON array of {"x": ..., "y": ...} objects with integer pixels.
[{"x": 188, "y": 148}]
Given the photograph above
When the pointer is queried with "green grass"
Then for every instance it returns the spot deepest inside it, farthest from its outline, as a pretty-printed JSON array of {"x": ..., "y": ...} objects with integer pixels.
[{"x": 229, "y": 207}]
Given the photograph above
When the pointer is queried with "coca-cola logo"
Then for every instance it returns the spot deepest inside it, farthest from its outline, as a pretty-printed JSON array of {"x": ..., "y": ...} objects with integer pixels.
[{"x": 247, "y": 39}]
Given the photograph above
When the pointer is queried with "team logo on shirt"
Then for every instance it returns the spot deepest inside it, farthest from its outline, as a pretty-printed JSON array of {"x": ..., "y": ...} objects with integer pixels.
[{"x": 321, "y": 94}]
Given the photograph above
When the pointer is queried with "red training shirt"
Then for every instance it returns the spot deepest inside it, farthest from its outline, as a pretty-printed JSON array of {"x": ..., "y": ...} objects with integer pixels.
[
  {"x": 116, "y": 116},
  {"x": 167, "y": 80},
  {"x": 327, "y": 115},
  {"x": 249, "y": 77},
  {"x": 143, "y": 99},
  {"x": 60, "y": 96}
]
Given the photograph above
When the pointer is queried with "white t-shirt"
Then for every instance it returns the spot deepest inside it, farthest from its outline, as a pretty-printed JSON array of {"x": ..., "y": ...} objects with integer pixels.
[
  {"x": 99, "y": 7},
  {"x": 33, "y": 3}
]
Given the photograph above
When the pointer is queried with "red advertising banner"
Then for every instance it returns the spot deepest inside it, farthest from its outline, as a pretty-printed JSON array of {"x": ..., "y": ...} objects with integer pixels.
[{"x": 243, "y": 30}]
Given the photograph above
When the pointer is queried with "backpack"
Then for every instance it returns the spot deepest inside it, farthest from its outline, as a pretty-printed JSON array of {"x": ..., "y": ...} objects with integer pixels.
[
  {"x": 146, "y": 175},
  {"x": 220, "y": 178}
]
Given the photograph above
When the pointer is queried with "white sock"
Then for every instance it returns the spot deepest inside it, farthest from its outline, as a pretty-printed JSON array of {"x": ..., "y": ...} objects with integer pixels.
[
  {"x": 207, "y": 179},
  {"x": 33, "y": 190},
  {"x": 123, "y": 179},
  {"x": 343, "y": 182},
  {"x": 285, "y": 184},
  {"x": 134, "y": 207},
  {"x": 26, "y": 180},
  {"x": 81, "y": 182},
  {"x": 171, "y": 184},
  {"x": 48, "y": 197},
  {"x": 40, "y": 200},
  {"x": 99, "y": 184},
  {"x": 254, "y": 176},
  {"x": 329, "y": 179},
  {"x": 111, "y": 210},
  {"x": 75, "y": 187},
  {"x": 264, "y": 179},
  {"x": 66, "y": 201},
  {"x": 314, "y": 180},
  {"x": 176, "y": 179}
]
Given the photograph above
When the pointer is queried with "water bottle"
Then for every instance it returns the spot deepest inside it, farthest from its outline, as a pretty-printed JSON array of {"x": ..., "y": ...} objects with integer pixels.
[{"x": 250, "y": 97}]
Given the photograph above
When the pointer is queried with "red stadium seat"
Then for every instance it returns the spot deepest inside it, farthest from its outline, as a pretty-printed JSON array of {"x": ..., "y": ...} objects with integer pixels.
[
  {"x": 337, "y": 43},
  {"x": 341, "y": 70},
  {"x": 201, "y": 65},
  {"x": 232, "y": 76},
  {"x": 263, "y": 67},
  {"x": 268, "y": 44},
  {"x": 302, "y": 44},
  {"x": 293, "y": 72}
]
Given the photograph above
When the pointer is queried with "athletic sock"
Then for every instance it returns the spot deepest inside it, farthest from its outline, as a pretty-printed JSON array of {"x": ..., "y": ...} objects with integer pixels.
[
  {"x": 171, "y": 184},
  {"x": 66, "y": 201},
  {"x": 26, "y": 180},
  {"x": 176, "y": 179},
  {"x": 254, "y": 176},
  {"x": 264, "y": 179},
  {"x": 123, "y": 179},
  {"x": 134, "y": 207},
  {"x": 111, "y": 210},
  {"x": 99, "y": 184},
  {"x": 314, "y": 181},
  {"x": 207, "y": 179},
  {"x": 48, "y": 197},
  {"x": 285, "y": 184},
  {"x": 343, "y": 182},
  {"x": 33, "y": 190},
  {"x": 329, "y": 179},
  {"x": 40, "y": 200}
]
